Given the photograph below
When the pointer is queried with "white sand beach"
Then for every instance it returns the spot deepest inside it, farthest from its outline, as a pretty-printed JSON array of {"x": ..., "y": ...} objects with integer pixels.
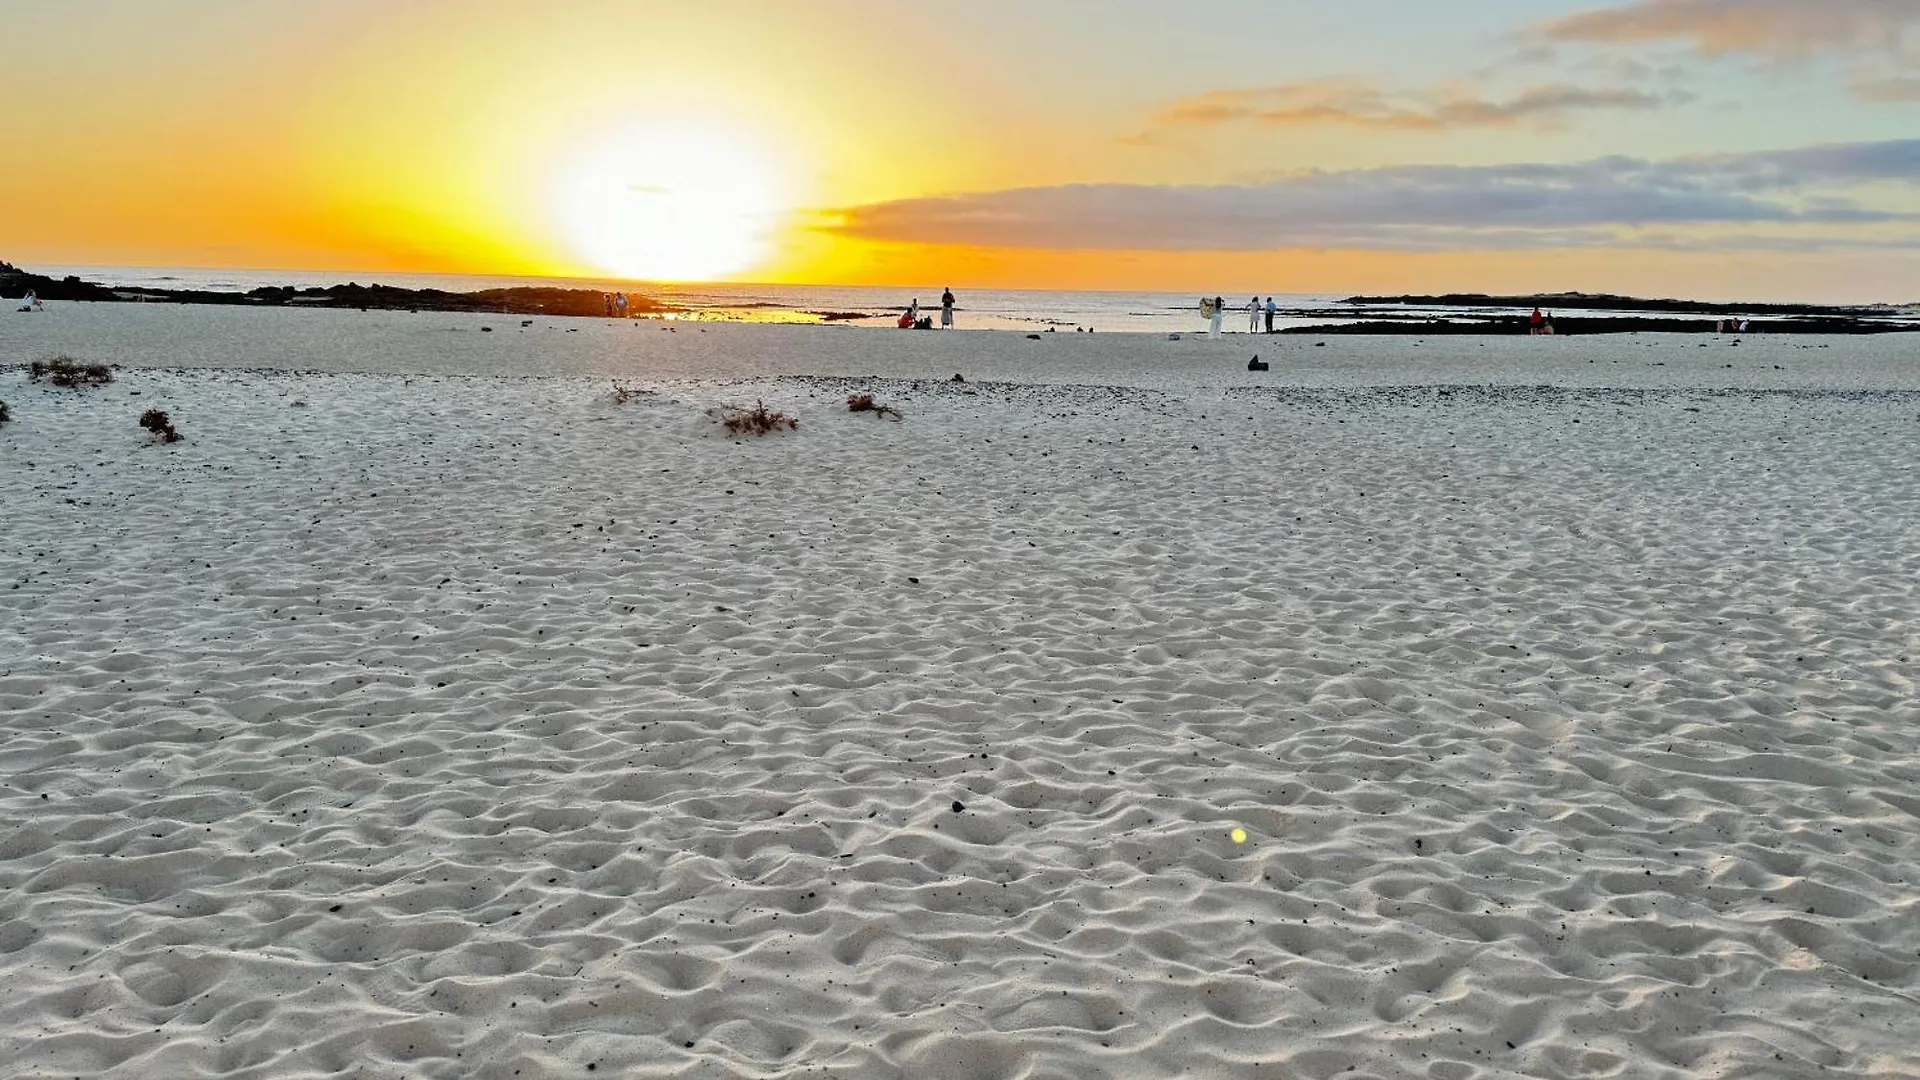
[{"x": 427, "y": 714}]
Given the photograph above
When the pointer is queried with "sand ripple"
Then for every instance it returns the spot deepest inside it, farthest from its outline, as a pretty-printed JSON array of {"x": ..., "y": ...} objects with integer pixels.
[{"x": 477, "y": 728}]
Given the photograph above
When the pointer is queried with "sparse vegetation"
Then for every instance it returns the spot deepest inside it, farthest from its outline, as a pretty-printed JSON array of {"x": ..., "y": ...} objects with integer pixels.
[
  {"x": 622, "y": 393},
  {"x": 759, "y": 420},
  {"x": 865, "y": 403},
  {"x": 156, "y": 421},
  {"x": 66, "y": 371}
]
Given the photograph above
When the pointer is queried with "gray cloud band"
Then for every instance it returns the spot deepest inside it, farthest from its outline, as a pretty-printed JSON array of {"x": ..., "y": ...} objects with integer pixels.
[{"x": 1799, "y": 195}]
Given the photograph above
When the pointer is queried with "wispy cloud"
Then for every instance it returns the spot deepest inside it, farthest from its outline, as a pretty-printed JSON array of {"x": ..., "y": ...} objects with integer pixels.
[
  {"x": 1361, "y": 104},
  {"x": 1893, "y": 88},
  {"x": 1876, "y": 41},
  {"x": 1778, "y": 28},
  {"x": 1797, "y": 195}
]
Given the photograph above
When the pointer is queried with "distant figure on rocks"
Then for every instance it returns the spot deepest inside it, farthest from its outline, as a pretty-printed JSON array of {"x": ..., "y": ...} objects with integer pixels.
[
  {"x": 1253, "y": 315},
  {"x": 946, "y": 310},
  {"x": 1536, "y": 323},
  {"x": 1272, "y": 310}
]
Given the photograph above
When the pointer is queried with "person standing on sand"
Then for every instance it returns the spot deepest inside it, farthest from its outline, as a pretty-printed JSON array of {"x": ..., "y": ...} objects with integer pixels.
[
  {"x": 1253, "y": 315},
  {"x": 1272, "y": 310},
  {"x": 946, "y": 309},
  {"x": 1216, "y": 313},
  {"x": 1535, "y": 322}
]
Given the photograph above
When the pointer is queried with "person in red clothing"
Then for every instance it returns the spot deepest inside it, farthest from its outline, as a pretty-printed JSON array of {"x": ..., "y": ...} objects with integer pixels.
[{"x": 1537, "y": 323}]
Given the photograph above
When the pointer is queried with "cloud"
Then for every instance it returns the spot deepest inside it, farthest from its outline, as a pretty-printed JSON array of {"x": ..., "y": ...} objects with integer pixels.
[
  {"x": 1876, "y": 41},
  {"x": 1895, "y": 88},
  {"x": 1606, "y": 202},
  {"x": 1773, "y": 28},
  {"x": 1354, "y": 103}
]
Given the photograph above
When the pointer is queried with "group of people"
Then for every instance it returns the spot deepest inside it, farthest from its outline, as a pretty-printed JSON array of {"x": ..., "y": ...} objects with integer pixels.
[
  {"x": 1540, "y": 325},
  {"x": 913, "y": 320},
  {"x": 31, "y": 302},
  {"x": 616, "y": 305},
  {"x": 1215, "y": 312}
]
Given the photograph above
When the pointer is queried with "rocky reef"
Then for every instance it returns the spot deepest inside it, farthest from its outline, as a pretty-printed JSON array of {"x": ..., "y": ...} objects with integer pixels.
[{"x": 525, "y": 300}]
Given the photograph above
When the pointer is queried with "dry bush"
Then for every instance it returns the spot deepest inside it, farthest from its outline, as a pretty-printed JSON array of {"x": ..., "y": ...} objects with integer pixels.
[
  {"x": 622, "y": 393},
  {"x": 865, "y": 403},
  {"x": 759, "y": 420},
  {"x": 66, "y": 371},
  {"x": 157, "y": 422}
]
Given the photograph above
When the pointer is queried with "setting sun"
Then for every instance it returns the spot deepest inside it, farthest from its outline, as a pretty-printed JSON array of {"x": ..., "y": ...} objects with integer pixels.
[{"x": 665, "y": 205}]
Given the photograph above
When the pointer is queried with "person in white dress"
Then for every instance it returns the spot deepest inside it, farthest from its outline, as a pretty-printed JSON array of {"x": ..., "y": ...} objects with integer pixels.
[
  {"x": 1216, "y": 313},
  {"x": 1253, "y": 315}
]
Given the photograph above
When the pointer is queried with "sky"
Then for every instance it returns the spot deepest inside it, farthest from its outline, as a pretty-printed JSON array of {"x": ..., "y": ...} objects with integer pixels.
[{"x": 1733, "y": 149}]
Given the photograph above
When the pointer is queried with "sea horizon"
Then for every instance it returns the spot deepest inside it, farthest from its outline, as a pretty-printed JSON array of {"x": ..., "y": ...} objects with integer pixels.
[{"x": 1110, "y": 310}]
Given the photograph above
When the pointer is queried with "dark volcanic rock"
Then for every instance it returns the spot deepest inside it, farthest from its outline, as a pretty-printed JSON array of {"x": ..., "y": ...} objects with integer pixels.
[
  {"x": 15, "y": 283},
  {"x": 1575, "y": 301},
  {"x": 1491, "y": 326},
  {"x": 530, "y": 300}
]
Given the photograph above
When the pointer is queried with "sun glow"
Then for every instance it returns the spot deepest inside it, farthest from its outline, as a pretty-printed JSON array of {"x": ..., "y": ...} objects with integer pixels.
[{"x": 664, "y": 205}]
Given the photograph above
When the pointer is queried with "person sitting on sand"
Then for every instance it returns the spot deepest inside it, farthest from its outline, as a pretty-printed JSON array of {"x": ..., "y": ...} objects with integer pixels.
[{"x": 31, "y": 302}]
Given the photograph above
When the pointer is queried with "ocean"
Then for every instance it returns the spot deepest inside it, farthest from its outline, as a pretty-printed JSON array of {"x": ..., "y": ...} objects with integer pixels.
[{"x": 1000, "y": 309}]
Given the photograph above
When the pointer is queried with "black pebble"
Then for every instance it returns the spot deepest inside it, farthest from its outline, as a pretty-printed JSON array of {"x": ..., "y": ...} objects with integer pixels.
[{"x": 958, "y": 806}]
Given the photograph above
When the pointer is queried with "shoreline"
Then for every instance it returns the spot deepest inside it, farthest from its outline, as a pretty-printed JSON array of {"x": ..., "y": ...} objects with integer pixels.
[{"x": 1361, "y": 315}]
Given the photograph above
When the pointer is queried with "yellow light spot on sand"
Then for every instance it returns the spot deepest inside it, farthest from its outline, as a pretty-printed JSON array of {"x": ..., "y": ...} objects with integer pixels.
[{"x": 1239, "y": 836}]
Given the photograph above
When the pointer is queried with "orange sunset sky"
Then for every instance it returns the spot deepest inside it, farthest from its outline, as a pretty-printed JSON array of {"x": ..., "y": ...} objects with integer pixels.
[{"x": 1750, "y": 148}]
